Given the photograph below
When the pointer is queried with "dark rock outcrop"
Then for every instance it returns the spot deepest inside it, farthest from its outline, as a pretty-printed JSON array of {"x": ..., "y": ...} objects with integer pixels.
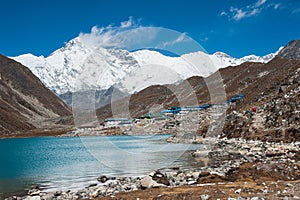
[{"x": 291, "y": 50}]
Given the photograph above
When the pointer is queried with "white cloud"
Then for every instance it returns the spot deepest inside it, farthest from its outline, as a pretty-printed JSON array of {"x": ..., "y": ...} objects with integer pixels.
[
  {"x": 181, "y": 38},
  {"x": 248, "y": 11},
  {"x": 205, "y": 39},
  {"x": 128, "y": 35},
  {"x": 276, "y": 6},
  {"x": 99, "y": 36},
  {"x": 239, "y": 14},
  {"x": 232, "y": 9},
  {"x": 223, "y": 13},
  {"x": 106, "y": 36},
  {"x": 130, "y": 22},
  {"x": 255, "y": 12},
  {"x": 295, "y": 11},
  {"x": 260, "y": 3}
]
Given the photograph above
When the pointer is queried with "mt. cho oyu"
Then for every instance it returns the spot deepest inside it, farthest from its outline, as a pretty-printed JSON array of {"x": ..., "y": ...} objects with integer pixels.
[{"x": 76, "y": 66}]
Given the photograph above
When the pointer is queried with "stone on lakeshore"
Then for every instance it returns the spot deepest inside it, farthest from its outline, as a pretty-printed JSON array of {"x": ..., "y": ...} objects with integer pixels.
[
  {"x": 102, "y": 179},
  {"x": 147, "y": 182},
  {"x": 126, "y": 187},
  {"x": 57, "y": 193},
  {"x": 195, "y": 175},
  {"x": 95, "y": 194},
  {"x": 134, "y": 188},
  {"x": 203, "y": 174},
  {"x": 92, "y": 185},
  {"x": 200, "y": 153},
  {"x": 160, "y": 178},
  {"x": 33, "y": 198},
  {"x": 101, "y": 190},
  {"x": 191, "y": 182},
  {"x": 110, "y": 191},
  {"x": 35, "y": 187},
  {"x": 48, "y": 196},
  {"x": 34, "y": 192},
  {"x": 175, "y": 168}
]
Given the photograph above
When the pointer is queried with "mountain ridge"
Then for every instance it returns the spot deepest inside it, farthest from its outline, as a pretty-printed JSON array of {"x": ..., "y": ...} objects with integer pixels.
[
  {"x": 291, "y": 50},
  {"x": 60, "y": 70},
  {"x": 271, "y": 88},
  {"x": 256, "y": 81}
]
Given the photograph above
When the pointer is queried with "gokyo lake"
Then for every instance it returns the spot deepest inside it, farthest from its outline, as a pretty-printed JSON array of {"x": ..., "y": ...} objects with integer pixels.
[{"x": 75, "y": 162}]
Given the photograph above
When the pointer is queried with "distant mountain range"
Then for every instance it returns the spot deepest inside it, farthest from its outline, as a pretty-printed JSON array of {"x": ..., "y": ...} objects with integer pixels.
[
  {"x": 27, "y": 104},
  {"x": 76, "y": 66},
  {"x": 264, "y": 85}
]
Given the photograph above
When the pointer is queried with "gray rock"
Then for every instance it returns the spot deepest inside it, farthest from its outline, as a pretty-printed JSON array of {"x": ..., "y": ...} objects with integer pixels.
[
  {"x": 291, "y": 50},
  {"x": 147, "y": 182},
  {"x": 134, "y": 188},
  {"x": 160, "y": 178},
  {"x": 34, "y": 192},
  {"x": 57, "y": 193},
  {"x": 127, "y": 187},
  {"x": 191, "y": 182},
  {"x": 238, "y": 191},
  {"x": 102, "y": 179},
  {"x": 204, "y": 196},
  {"x": 248, "y": 158},
  {"x": 33, "y": 198},
  {"x": 195, "y": 175},
  {"x": 92, "y": 185}
]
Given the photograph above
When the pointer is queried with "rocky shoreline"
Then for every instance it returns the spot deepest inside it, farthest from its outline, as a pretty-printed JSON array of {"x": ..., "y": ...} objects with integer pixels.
[{"x": 228, "y": 161}]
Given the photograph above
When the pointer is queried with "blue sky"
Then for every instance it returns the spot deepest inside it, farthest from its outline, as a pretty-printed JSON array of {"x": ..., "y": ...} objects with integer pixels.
[{"x": 236, "y": 27}]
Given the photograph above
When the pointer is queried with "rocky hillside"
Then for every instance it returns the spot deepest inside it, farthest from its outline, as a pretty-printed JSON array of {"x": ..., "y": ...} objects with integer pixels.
[
  {"x": 291, "y": 51},
  {"x": 254, "y": 80},
  {"x": 271, "y": 87},
  {"x": 274, "y": 93},
  {"x": 24, "y": 101},
  {"x": 277, "y": 117}
]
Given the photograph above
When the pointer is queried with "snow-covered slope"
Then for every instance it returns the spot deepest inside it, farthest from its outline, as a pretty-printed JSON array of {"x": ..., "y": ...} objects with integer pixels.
[{"x": 76, "y": 66}]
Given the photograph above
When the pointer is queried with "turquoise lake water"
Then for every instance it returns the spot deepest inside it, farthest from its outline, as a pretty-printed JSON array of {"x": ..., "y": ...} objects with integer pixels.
[{"x": 74, "y": 162}]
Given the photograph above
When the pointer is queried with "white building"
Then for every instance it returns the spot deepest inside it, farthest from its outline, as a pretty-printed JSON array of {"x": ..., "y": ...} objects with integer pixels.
[{"x": 114, "y": 122}]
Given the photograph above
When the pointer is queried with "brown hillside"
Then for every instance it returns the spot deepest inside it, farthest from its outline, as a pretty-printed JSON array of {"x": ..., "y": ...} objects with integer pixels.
[
  {"x": 254, "y": 80},
  {"x": 24, "y": 100}
]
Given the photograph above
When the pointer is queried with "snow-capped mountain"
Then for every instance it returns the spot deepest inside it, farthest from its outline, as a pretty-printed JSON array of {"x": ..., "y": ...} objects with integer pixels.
[
  {"x": 76, "y": 66},
  {"x": 224, "y": 60}
]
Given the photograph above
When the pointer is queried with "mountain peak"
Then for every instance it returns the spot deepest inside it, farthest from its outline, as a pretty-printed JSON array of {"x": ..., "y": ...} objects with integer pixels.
[
  {"x": 291, "y": 50},
  {"x": 103, "y": 68},
  {"x": 222, "y": 54}
]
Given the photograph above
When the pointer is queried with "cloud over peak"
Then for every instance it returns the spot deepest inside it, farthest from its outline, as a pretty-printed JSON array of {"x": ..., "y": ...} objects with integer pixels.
[{"x": 107, "y": 36}]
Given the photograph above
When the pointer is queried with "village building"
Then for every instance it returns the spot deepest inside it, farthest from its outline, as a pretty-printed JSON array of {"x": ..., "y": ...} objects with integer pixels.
[{"x": 115, "y": 122}]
